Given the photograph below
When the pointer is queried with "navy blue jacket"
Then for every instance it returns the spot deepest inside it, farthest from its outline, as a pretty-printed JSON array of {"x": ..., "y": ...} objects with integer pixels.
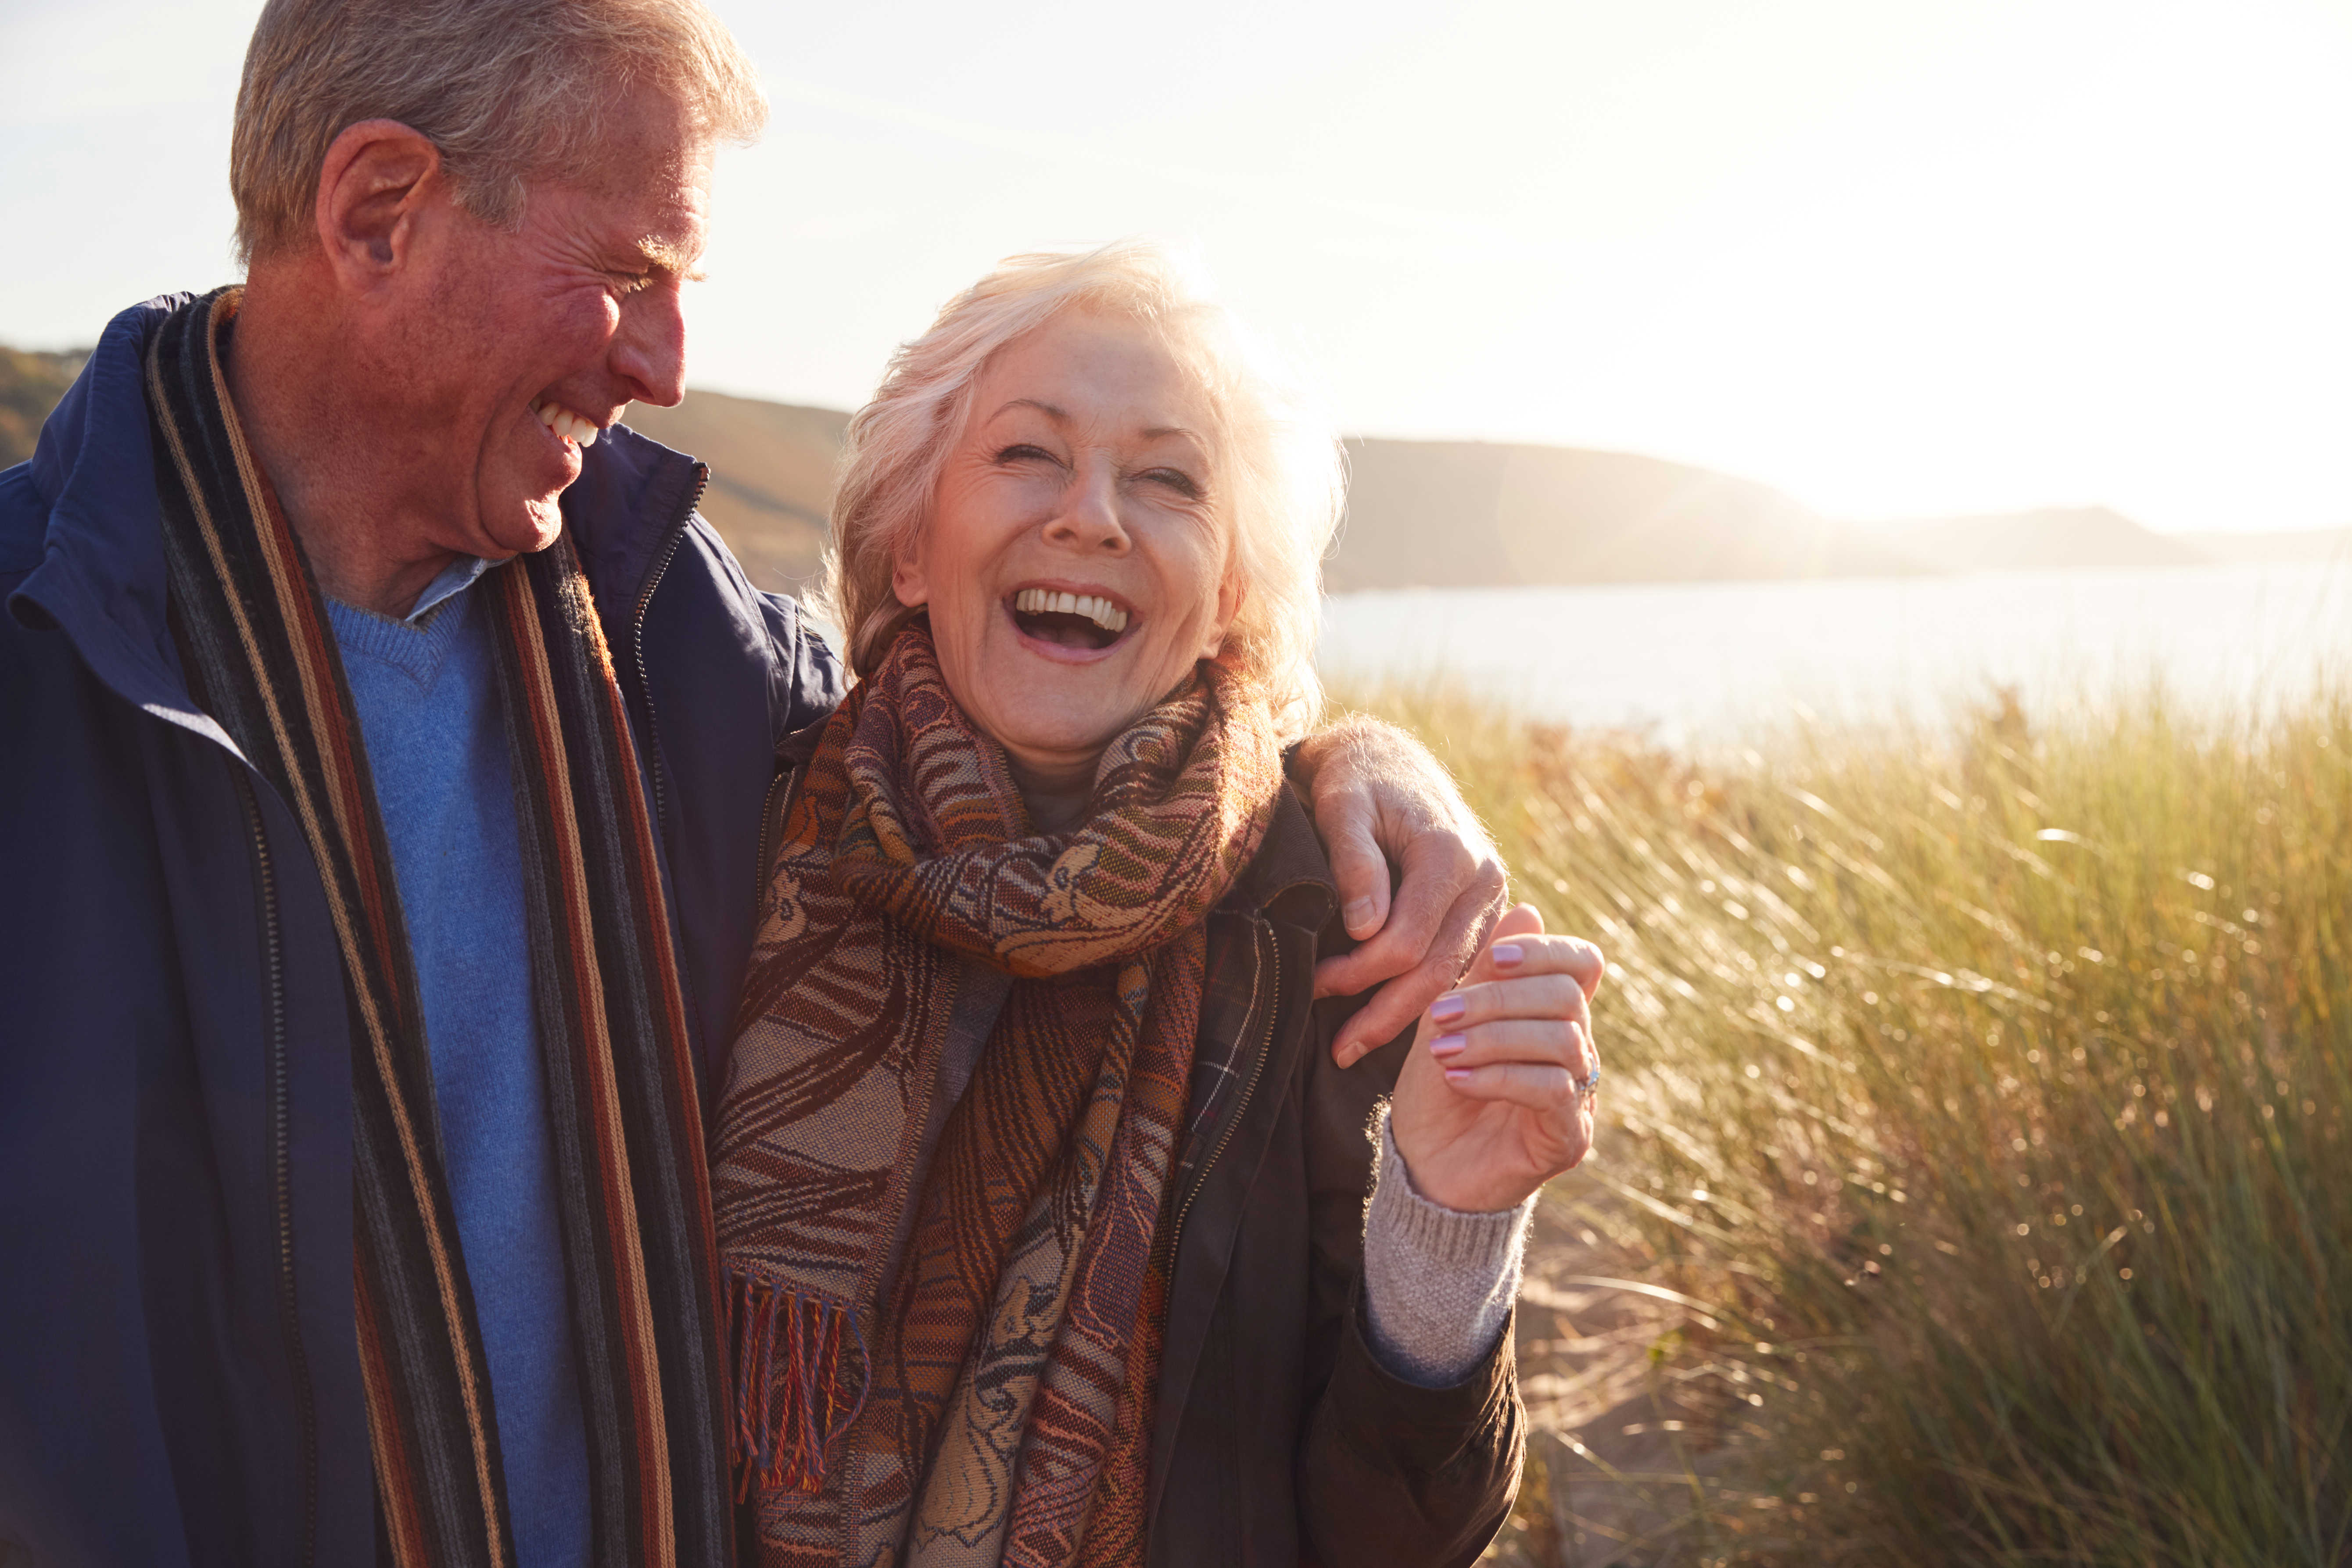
[{"x": 179, "y": 1381}]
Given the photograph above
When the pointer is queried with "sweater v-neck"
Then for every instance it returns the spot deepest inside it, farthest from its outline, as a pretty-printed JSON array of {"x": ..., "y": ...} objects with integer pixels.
[{"x": 418, "y": 643}]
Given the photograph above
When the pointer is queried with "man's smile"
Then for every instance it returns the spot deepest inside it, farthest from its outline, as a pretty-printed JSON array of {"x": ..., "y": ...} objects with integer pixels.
[{"x": 566, "y": 423}]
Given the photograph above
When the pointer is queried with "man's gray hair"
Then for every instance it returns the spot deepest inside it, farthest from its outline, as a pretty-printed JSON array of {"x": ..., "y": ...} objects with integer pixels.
[{"x": 506, "y": 89}]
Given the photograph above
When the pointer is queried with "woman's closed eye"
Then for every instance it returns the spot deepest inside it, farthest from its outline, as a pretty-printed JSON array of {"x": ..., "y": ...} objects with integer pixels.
[
  {"x": 1022, "y": 451},
  {"x": 1176, "y": 479}
]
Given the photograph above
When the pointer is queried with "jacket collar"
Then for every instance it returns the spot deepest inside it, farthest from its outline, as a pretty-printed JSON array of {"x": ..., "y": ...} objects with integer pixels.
[
  {"x": 625, "y": 513},
  {"x": 1289, "y": 878},
  {"x": 103, "y": 578}
]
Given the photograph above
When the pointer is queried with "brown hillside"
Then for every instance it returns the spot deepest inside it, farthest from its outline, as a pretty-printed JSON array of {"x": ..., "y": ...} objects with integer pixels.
[{"x": 770, "y": 476}]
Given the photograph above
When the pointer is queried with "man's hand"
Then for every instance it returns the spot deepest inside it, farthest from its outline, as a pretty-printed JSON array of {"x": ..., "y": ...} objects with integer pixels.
[
  {"x": 1379, "y": 797},
  {"x": 1487, "y": 1108}
]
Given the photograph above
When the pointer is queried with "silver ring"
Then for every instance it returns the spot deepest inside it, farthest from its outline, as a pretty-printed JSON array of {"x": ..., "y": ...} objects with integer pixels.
[{"x": 1587, "y": 1086}]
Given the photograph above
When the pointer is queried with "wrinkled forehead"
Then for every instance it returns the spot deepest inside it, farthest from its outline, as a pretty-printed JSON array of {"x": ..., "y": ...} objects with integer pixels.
[
  {"x": 1110, "y": 373},
  {"x": 644, "y": 165}
]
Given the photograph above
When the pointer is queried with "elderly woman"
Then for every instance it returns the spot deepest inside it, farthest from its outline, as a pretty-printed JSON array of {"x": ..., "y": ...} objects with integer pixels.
[{"x": 1043, "y": 1204}]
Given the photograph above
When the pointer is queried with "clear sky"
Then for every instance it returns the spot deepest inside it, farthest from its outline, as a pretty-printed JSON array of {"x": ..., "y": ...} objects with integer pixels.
[{"x": 1896, "y": 257}]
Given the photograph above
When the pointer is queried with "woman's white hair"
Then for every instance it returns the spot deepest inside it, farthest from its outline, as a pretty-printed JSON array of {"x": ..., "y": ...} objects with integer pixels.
[
  {"x": 1282, "y": 473},
  {"x": 505, "y": 89}
]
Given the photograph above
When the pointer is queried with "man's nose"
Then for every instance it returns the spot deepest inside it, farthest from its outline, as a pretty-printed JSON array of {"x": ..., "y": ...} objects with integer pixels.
[
  {"x": 1089, "y": 519},
  {"x": 649, "y": 349}
]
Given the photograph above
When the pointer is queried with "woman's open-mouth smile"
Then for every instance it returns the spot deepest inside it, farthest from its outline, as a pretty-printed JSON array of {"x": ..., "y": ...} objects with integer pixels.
[{"x": 1068, "y": 622}]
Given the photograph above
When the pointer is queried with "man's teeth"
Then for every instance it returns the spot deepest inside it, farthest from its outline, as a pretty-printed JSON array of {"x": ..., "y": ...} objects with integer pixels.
[
  {"x": 1046, "y": 601},
  {"x": 566, "y": 423}
]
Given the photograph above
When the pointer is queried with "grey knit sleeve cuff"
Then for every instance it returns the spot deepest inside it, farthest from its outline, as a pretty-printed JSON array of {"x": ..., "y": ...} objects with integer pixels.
[{"x": 1438, "y": 1283}]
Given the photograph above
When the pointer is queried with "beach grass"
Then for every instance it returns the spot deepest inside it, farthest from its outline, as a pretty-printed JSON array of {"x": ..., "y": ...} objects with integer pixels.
[{"x": 1976, "y": 1120}]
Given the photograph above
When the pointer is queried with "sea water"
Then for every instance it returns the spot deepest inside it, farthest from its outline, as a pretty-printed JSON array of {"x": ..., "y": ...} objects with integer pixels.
[{"x": 1708, "y": 661}]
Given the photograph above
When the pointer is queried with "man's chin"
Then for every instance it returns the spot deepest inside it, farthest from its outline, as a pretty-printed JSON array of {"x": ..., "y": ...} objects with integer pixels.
[
  {"x": 522, "y": 507},
  {"x": 525, "y": 529}
]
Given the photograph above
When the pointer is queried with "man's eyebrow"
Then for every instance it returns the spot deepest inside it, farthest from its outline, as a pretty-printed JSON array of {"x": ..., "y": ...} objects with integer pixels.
[{"x": 660, "y": 255}]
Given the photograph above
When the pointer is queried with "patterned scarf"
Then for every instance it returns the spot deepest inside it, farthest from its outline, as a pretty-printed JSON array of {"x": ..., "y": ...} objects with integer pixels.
[
  {"x": 620, "y": 1073},
  {"x": 998, "y": 1405}
]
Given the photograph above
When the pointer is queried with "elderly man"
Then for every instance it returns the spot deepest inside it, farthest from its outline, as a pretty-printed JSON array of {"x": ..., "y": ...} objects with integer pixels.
[{"x": 387, "y": 745}]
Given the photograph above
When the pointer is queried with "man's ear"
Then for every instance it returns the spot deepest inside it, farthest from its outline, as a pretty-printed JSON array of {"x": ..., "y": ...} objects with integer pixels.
[{"x": 376, "y": 176}]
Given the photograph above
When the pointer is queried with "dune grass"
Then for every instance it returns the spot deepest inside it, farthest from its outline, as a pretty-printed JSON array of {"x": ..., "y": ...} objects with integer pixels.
[{"x": 1987, "y": 1087}]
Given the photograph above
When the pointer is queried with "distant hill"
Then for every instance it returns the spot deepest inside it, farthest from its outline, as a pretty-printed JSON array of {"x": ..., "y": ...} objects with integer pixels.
[
  {"x": 2275, "y": 548},
  {"x": 1437, "y": 514},
  {"x": 1442, "y": 514},
  {"x": 2052, "y": 539},
  {"x": 1421, "y": 514},
  {"x": 30, "y": 385}
]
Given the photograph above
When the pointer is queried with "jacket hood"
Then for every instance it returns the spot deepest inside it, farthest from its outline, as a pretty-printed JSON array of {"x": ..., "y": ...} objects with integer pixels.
[{"x": 101, "y": 577}]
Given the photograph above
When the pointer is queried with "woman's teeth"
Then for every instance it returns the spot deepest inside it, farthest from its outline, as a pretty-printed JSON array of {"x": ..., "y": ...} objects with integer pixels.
[
  {"x": 1046, "y": 601},
  {"x": 566, "y": 423}
]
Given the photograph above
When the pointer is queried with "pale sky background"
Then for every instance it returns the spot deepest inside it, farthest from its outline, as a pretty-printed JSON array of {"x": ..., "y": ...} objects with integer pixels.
[{"x": 1895, "y": 256}]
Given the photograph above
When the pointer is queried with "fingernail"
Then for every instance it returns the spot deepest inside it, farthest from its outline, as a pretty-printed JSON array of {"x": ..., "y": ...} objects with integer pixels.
[
  {"x": 1457, "y": 1075},
  {"x": 1447, "y": 1009},
  {"x": 1359, "y": 914},
  {"x": 1510, "y": 955},
  {"x": 1449, "y": 1045}
]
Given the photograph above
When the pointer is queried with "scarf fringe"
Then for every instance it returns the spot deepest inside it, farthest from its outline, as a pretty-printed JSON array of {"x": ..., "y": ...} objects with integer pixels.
[{"x": 794, "y": 1395}]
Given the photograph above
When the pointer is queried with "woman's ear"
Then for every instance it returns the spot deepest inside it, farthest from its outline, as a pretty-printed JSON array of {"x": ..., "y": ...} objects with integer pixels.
[
  {"x": 1231, "y": 594},
  {"x": 909, "y": 581}
]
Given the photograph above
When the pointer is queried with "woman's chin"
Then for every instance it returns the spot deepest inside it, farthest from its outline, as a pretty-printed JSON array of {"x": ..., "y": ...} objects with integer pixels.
[
  {"x": 1043, "y": 700},
  {"x": 1042, "y": 734}
]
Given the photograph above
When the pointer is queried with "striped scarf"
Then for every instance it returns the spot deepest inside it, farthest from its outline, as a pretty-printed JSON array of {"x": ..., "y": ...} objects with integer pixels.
[
  {"x": 997, "y": 1405},
  {"x": 621, "y": 1079}
]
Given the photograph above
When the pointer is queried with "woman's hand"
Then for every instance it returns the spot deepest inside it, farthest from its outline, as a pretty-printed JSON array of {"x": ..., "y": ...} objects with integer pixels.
[{"x": 1487, "y": 1108}]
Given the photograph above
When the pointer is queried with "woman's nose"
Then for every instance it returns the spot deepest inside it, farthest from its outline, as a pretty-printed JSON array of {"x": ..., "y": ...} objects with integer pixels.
[{"x": 1089, "y": 519}]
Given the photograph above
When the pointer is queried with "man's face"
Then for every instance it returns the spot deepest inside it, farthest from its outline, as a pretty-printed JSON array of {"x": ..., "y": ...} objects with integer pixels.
[{"x": 505, "y": 350}]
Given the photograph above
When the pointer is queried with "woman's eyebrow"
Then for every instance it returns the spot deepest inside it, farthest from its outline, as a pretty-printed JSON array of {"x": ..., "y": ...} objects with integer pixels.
[{"x": 1059, "y": 415}]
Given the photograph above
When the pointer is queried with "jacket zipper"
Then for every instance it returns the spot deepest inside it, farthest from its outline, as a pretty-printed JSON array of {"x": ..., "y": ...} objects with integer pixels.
[
  {"x": 771, "y": 824},
  {"x": 1240, "y": 1106},
  {"x": 637, "y": 634},
  {"x": 281, "y": 1165}
]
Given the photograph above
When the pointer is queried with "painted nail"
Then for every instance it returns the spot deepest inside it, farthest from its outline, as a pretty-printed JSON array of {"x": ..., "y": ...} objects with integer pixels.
[
  {"x": 1510, "y": 955},
  {"x": 1449, "y": 1045},
  {"x": 1447, "y": 1009},
  {"x": 1457, "y": 1075}
]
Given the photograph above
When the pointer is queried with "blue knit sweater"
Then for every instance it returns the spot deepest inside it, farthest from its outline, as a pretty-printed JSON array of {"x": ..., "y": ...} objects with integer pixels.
[{"x": 429, "y": 710}]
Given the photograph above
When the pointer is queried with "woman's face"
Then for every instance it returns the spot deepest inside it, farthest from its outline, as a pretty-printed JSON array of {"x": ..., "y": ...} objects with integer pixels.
[{"x": 1077, "y": 559}]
